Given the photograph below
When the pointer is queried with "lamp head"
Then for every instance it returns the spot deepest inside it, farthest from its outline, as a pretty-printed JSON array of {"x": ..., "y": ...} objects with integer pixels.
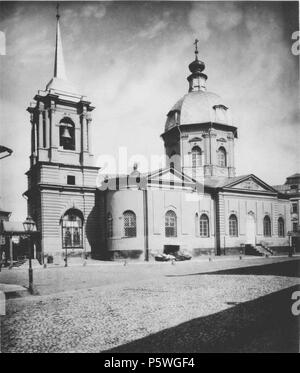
[{"x": 29, "y": 224}]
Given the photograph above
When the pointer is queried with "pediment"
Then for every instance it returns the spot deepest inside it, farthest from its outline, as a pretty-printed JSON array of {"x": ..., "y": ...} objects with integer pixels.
[
  {"x": 170, "y": 177},
  {"x": 195, "y": 139},
  {"x": 251, "y": 183},
  {"x": 248, "y": 184}
]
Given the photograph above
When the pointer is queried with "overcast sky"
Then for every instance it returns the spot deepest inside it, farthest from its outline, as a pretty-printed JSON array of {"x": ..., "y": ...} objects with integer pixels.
[{"x": 131, "y": 59}]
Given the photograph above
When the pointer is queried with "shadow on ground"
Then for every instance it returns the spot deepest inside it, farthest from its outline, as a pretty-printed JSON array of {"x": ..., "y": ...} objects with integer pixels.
[
  {"x": 265, "y": 324},
  {"x": 289, "y": 269}
]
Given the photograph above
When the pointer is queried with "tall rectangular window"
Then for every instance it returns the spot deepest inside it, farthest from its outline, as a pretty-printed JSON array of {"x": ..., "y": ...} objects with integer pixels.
[
  {"x": 280, "y": 227},
  {"x": 233, "y": 226},
  {"x": 267, "y": 226},
  {"x": 204, "y": 226}
]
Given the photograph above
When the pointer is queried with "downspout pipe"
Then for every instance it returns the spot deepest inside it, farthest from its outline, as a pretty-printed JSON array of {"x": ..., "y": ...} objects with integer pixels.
[{"x": 146, "y": 222}]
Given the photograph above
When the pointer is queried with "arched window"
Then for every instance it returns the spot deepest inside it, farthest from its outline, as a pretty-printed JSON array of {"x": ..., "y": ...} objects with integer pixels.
[
  {"x": 280, "y": 227},
  {"x": 72, "y": 229},
  {"x": 222, "y": 157},
  {"x": 170, "y": 224},
  {"x": 196, "y": 224},
  {"x": 129, "y": 219},
  {"x": 204, "y": 226},
  {"x": 233, "y": 226},
  {"x": 67, "y": 134},
  {"x": 267, "y": 226},
  {"x": 196, "y": 157},
  {"x": 109, "y": 225}
]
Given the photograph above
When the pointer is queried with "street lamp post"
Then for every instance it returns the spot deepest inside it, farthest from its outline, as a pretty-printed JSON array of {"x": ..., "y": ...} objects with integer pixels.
[
  {"x": 66, "y": 258},
  {"x": 29, "y": 227}
]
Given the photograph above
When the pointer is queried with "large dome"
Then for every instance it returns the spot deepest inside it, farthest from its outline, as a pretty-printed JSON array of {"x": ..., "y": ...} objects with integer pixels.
[{"x": 198, "y": 107}]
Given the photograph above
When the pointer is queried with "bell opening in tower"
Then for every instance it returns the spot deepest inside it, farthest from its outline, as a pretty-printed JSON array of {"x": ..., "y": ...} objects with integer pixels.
[{"x": 67, "y": 134}]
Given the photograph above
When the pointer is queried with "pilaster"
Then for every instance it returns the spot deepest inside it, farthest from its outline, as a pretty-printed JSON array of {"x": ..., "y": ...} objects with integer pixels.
[
  {"x": 40, "y": 129},
  {"x": 206, "y": 158},
  {"x": 213, "y": 147},
  {"x": 54, "y": 134},
  {"x": 89, "y": 134},
  {"x": 47, "y": 129}
]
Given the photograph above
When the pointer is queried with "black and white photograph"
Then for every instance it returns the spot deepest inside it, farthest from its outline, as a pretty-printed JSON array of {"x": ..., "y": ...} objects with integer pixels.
[{"x": 149, "y": 179}]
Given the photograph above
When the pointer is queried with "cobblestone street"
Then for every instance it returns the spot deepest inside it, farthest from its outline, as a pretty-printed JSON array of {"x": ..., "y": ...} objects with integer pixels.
[{"x": 192, "y": 306}]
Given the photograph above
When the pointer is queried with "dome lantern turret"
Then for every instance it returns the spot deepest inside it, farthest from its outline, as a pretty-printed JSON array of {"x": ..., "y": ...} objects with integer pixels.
[{"x": 197, "y": 79}]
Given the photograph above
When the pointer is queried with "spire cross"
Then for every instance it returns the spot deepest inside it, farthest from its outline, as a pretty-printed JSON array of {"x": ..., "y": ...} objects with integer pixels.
[
  {"x": 196, "y": 46},
  {"x": 57, "y": 11},
  {"x": 59, "y": 65}
]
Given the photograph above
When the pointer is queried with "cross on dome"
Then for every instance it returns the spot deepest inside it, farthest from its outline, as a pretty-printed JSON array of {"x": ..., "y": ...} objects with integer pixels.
[
  {"x": 196, "y": 66},
  {"x": 196, "y": 47}
]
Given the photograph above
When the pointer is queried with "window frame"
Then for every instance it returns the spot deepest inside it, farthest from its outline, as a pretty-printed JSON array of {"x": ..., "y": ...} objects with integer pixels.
[
  {"x": 233, "y": 225},
  {"x": 267, "y": 226},
  {"x": 130, "y": 230},
  {"x": 196, "y": 154},
  {"x": 73, "y": 178},
  {"x": 72, "y": 229},
  {"x": 204, "y": 230},
  {"x": 222, "y": 162},
  {"x": 281, "y": 227},
  {"x": 170, "y": 218},
  {"x": 294, "y": 208}
]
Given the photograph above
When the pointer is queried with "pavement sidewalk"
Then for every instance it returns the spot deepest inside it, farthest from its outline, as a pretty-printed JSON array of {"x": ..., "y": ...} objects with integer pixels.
[{"x": 94, "y": 262}]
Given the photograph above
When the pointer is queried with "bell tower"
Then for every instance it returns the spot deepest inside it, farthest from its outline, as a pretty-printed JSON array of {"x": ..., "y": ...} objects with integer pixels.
[
  {"x": 60, "y": 118},
  {"x": 61, "y": 175}
]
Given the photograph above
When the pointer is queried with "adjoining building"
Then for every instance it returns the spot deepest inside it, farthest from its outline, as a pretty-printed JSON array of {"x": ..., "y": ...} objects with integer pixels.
[
  {"x": 196, "y": 204},
  {"x": 4, "y": 214},
  {"x": 291, "y": 189},
  {"x": 4, "y": 152}
]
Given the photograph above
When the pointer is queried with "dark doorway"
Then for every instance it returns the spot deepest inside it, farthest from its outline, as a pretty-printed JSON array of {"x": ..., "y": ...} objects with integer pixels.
[{"x": 171, "y": 249}]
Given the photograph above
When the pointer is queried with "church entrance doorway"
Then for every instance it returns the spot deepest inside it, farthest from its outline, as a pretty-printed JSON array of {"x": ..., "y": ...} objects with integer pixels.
[
  {"x": 250, "y": 229},
  {"x": 72, "y": 230}
]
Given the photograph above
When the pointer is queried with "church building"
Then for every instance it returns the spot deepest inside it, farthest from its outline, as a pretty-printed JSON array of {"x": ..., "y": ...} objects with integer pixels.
[{"x": 196, "y": 204}]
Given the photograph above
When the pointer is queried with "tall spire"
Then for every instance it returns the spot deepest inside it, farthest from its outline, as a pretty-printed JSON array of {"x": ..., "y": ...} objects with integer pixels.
[
  {"x": 59, "y": 63},
  {"x": 59, "y": 81}
]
